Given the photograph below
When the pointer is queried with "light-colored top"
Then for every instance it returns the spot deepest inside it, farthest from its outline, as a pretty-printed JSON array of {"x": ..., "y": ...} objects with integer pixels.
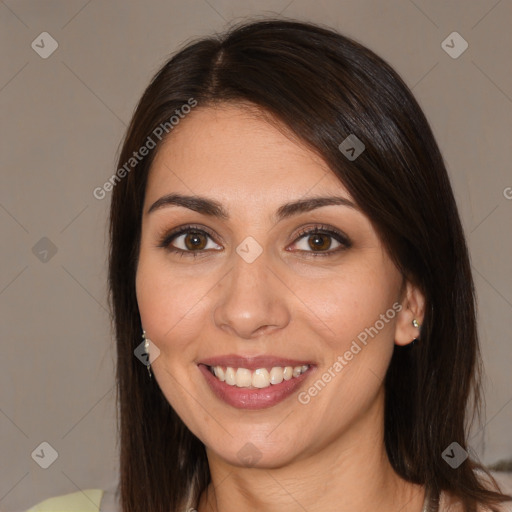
[
  {"x": 81, "y": 501},
  {"x": 98, "y": 500}
]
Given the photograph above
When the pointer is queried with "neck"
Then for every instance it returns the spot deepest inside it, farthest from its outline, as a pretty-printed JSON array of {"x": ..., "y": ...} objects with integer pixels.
[{"x": 352, "y": 473}]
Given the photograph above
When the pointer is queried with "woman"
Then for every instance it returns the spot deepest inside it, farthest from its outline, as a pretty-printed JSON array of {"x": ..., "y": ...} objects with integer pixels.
[{"x": 286, "y": 252}]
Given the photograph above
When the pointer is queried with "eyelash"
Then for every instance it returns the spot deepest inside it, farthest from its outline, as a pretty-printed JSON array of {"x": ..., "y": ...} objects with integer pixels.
[{"x": 167, "y": 238}]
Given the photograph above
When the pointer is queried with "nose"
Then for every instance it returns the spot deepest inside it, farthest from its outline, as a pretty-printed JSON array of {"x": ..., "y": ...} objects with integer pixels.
[{"x": 253, "y": 301}]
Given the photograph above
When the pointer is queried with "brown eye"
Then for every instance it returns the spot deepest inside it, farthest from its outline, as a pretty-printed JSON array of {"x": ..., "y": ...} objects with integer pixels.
[
  {"x": 189, "y": 240},
  {"x": 319, "y": 242},
  {"x": 195, "y": 240}
]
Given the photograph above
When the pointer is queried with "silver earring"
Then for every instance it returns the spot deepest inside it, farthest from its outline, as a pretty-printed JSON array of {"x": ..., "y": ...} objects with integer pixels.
[
  {"x": 146, "y": 350},
  {"x": 416, "y": 324}
]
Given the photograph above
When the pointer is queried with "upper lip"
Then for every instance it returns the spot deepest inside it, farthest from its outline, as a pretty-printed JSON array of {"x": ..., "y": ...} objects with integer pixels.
[{"x": 251, "y": 363}]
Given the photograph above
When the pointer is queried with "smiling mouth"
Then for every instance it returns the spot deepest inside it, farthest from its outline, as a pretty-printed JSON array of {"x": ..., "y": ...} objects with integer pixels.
[{"x": 260, "y": 378}]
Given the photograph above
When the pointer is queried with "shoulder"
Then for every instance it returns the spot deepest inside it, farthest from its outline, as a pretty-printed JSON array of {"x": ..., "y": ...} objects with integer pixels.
[
  {"x": 448, "y": 503},
  {"x": 82, "y": 501},
  {"x": 504, "y": 481}
]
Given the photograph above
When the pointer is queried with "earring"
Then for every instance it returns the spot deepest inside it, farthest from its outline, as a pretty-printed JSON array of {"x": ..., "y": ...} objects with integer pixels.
[
  {"x": 146, "y": 350},
  {"x": 416, "y": 324}
]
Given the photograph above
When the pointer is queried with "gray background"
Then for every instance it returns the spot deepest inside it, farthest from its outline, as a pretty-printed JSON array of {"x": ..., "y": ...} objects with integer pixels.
[{"x": 63, "y": 118}]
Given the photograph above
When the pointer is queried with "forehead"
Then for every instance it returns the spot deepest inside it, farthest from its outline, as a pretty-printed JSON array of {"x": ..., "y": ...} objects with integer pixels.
[{"x": 235, "y": 152}]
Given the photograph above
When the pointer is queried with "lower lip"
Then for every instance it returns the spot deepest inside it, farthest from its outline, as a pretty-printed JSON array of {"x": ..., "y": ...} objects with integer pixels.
[{"x": 245, "y": 398}]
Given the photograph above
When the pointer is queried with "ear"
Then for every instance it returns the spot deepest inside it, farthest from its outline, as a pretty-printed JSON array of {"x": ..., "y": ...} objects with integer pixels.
[{"x": 413, "y": 308}]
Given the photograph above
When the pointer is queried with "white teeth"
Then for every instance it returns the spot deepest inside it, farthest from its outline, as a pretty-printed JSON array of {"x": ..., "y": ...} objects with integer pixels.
[
  {"x": 260, "y": 378},
  {"x": 230, "y": 377},
  {"x": 219, "y": 373},
  {"x": 243, "y": 378},
  {"x": 288, "y": 373},
  {"x": 276, "y": 375}
]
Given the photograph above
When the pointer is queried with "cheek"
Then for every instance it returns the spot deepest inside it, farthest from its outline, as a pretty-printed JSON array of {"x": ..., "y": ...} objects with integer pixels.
[
  {"x": 354, "y": 321},
  {"x": 348, "y": 306},
  {"x": 171, "y": 304},
  {"x": 354, "y": 306}
]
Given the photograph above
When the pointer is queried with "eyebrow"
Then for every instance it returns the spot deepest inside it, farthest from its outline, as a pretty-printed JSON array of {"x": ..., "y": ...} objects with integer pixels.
[{"x": 213, "y": 208}]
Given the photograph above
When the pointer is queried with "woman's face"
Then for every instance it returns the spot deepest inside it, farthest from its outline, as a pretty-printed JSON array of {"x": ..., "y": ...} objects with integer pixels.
[{"x": 243, "y": 279}]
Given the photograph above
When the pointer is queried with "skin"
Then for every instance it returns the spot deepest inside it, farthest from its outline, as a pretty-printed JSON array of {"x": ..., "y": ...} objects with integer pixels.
[{"x": 329, "y": 454}]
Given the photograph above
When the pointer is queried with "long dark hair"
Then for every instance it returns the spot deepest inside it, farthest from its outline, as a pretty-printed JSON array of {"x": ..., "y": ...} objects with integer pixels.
[{"x": 323, "y": 87}]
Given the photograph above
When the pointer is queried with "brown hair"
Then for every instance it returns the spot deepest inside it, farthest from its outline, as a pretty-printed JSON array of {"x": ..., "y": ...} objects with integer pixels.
[{"x": 323, "y": 87}]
